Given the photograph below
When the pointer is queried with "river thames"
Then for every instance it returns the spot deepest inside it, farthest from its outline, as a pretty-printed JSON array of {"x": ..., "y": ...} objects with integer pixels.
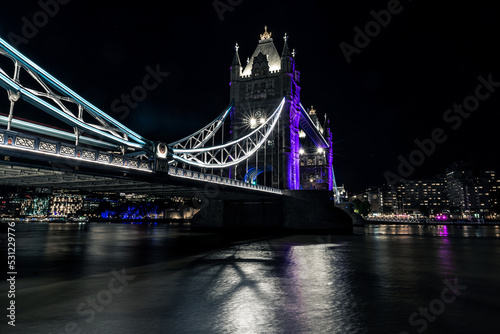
[{"x": 157, "y": 278}]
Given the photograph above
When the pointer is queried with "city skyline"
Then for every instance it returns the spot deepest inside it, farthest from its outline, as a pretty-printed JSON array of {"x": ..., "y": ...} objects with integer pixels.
[{"x": 386, "y": 100}]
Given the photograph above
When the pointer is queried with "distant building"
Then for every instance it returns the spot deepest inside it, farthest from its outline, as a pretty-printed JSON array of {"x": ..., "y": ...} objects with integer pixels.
[
  {"x": 24, "y": 204},
  {"x": 64, "y": 205},
  {"x": 464, "y": 192},
  {"x": 389, "y": 199},
  {"x": 471, "y": 192},
  {"x": 422, "y": 195},
  {"x": 494, "y": 184}
]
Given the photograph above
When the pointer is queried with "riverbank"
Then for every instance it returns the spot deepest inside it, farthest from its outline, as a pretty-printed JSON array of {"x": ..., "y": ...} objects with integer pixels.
[
  {"x": 432, "y": 222},
  {"x": 97, "y": 220}
]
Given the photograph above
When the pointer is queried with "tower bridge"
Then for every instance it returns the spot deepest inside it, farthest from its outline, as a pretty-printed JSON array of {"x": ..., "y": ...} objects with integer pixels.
[{"x": 264, "y": 152}]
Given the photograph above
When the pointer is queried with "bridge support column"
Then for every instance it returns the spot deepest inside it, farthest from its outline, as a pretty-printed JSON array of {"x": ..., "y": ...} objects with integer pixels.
[
  {"x": 297, "y": 211},
  {"x": 314, "y": 212},
  {"x": 211, "y": 214}
]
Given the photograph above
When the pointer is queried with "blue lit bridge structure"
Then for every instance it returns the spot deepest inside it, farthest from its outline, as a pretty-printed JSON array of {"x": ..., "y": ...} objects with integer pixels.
[{"x": 83, "y": 148}]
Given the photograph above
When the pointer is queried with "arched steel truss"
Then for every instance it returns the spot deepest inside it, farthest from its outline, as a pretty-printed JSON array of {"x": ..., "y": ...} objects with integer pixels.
[
  {"x": 231, "y": 153},
  {"x": 58, "y": 100}
]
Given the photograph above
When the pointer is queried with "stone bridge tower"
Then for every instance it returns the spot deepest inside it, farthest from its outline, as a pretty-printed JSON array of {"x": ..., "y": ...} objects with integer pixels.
[{"x": 256, "y": 89}]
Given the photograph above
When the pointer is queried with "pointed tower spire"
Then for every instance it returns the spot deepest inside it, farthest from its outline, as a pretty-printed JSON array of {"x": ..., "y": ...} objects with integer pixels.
[
  {"x": 286, "y": 57},
  {"x": 236, "y": 58},
  {"x": 286, "y": 51},
  {"x": 235, "y": 66}
]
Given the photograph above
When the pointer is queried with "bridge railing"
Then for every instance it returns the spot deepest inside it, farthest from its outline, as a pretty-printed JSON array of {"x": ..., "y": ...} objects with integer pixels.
[
  {"x": 224, "y": 181},
  {"x": 18, "y": 142}
]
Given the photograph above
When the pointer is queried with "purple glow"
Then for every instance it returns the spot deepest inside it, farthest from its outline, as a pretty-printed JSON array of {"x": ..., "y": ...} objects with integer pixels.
[
  {"x": 330, "y": 159},
  {"x": 443, "y": 232},
  {"x": 293, "y": 168}
]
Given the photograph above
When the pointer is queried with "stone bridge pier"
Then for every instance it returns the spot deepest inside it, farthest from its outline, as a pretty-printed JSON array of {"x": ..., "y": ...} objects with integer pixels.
[{"x": 295, "y": 211}]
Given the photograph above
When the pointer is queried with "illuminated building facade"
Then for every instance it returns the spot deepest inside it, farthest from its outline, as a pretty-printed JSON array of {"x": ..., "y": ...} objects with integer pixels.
[
  {"x": 494, "y": 184},
  {"x": 464, "y": 192},
  {"x": 423, "y": 195},
  {"x": 388, "y": 199},
  {"x": 256, "y": 89},
  {"x": 472, "y": 192}
]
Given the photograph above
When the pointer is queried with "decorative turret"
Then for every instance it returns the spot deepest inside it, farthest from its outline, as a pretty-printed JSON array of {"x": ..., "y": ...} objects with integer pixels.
[
  {"x": 286, "y": 57},
  {"x": 315, "y": 119},
  {"x": 265, "y": 35},
  {"x": 236, "y": 64}
]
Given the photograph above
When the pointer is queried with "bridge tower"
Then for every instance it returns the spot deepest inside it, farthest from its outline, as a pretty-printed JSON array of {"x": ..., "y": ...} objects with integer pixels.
[{"x": 256, "y": 89}]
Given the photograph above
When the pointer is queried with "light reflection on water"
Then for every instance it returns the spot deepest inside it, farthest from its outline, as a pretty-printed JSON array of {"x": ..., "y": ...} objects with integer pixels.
[
  {"x": 369, "y": 282},
  {"x": 258, "y": 288}
]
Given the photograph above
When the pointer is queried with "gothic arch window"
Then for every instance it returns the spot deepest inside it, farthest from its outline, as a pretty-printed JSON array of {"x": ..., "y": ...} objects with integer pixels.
[{"x": 256, "y": 69}]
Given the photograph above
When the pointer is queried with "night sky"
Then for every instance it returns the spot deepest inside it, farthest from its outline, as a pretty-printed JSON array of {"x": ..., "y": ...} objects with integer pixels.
[{"x": 395, "y": 90}]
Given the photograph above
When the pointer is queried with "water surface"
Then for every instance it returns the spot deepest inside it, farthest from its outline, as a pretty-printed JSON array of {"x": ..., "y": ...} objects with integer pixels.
[{"x": 382, "y": 279}]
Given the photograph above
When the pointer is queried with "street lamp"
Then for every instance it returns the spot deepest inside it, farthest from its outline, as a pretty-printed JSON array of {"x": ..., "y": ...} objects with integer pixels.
[{"x": 253, "y": 122}]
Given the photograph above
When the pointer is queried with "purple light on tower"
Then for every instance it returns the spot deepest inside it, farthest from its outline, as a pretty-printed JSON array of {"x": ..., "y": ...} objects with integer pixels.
[
  {"x": 294, "y": 159},
  {"x": 330, "y": 157}
]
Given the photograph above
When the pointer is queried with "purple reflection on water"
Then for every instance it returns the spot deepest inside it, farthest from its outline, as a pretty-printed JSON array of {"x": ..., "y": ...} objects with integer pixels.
[{"x": 443, "y": 231}]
